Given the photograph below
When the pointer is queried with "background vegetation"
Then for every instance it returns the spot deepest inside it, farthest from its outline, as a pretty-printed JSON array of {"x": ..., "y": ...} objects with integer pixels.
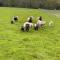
[{"x": 47, "y": 4}]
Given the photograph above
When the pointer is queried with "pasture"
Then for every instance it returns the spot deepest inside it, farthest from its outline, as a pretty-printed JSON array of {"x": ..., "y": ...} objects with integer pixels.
[{"x": 33, "y": 45}]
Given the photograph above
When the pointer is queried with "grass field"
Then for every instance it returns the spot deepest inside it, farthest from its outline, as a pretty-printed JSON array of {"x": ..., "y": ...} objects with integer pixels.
[
  {"x": 33, "y": 45},
  {"x": 53, "y": 12}
]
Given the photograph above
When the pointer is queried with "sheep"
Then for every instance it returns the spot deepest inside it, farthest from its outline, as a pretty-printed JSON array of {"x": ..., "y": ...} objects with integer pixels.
[
  {"x": 30, "y": 24},
  {"x": 26, "y": 26},
  {"x": 40, "y": 22},
  {"x": 14, "y": 19}
]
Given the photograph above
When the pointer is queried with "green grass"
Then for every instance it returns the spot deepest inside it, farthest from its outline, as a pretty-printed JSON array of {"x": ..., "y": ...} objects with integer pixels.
[
  {"x": 53, "y": 12},
  {"x": 33, "y": 45}
]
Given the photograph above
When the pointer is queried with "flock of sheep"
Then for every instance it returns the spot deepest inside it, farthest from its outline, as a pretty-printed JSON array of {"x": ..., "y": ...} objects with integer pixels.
[{"x": 29, "y": 23}]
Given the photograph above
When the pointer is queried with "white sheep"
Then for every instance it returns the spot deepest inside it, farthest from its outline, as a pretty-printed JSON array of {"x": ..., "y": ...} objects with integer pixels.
[
  {"x": 27, "y": 26},
  {"x": 41, "y": 23},
  {"x": 30, "y": 24}
]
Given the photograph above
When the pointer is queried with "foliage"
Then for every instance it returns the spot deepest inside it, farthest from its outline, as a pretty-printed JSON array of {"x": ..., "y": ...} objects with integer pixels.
[{"x": 47, "y": 4}]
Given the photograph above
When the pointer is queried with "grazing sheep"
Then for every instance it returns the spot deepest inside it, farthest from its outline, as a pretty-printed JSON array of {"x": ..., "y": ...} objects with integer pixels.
[
  {"x": 40, "y": 22},
  {"x": 26, "y": 26}
]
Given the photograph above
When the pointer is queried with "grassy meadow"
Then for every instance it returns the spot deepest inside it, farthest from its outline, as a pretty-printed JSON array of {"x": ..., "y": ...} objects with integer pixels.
[{"x": 33, "y": 45}]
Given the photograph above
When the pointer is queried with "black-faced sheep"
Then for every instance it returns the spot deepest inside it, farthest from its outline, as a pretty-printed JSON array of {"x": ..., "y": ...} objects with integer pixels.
[{"x": 40, "y": 22}]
